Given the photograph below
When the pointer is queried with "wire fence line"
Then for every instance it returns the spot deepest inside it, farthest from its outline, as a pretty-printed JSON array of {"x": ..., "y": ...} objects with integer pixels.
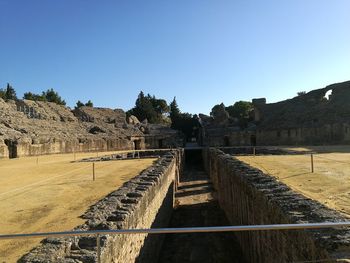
[
  {"x": 70, "y": 172},
  {"x": 319, "y": 260},
  {"x": 45, "y": 180},
  {"x": 329, "y": 159},
  {"x": 244, "y": 228},
  {"x": 313, "y": 155}
]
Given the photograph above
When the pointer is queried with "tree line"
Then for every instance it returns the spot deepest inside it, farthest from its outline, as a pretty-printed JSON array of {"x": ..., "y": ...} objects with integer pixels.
[
  {"x": 158, "y": 111},
  {"x": 241, "y": 111},
  {"x": 50, "y": 95},
  {"x": 147, "y": 107}
]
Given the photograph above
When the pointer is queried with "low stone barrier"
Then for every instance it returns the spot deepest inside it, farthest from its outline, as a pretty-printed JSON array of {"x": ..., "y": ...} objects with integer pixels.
[
  {"x": 127, "y": 155},
  {"x": 250, "y": 197},
  {"x": 146, "y": 201}
]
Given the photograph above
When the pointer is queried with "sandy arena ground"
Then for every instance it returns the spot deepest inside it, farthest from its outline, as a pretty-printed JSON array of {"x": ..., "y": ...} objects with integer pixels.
[
  {"x": 320, "y": 149},
  {"x": 51, "y": 195},
  {"x": 329, "y": 184}
]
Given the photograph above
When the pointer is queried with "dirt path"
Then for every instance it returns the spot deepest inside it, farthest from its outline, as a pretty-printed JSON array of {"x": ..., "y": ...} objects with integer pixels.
[{"x": 197, "y": 207}]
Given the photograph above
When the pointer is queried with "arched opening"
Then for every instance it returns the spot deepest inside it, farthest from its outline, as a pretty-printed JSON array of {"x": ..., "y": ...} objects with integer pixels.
[
  {"x": 160, "y": 143},
  {"x": 253, "y": 140},
  {"x": 12, "y": 148},
  {"x": 226, "y": 141},
  {"x": 137, "y": 144}
]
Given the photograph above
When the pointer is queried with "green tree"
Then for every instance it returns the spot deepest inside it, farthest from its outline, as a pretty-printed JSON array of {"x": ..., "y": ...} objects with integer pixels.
[
  {"x": 10, "y": 93},
  {"x": 175, "y": 115},
  {"x": 89, "y": 103},
  {"x": 28, "y": 96},
  {"x": 79, "y": 104},
  {"x": 33, "y": 96},
  {"x": 174, "y": 109},
  {"x": 217, "y": 110},
  {"x": 144, "y": 109},
  {"x": 159, "y": 105},
  {"x": 185, "y": 122},
  {"x": 242, "y": 111},
  {"x": 52, "y": 96},
  {"x": 2, "y": 94}
]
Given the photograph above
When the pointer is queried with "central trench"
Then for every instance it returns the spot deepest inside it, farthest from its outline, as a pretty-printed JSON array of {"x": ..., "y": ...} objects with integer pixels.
[{"x": 196, "y": 206}]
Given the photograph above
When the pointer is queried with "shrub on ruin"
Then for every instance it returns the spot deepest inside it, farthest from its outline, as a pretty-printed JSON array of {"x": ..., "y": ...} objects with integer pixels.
[
  {"x": 185, "y": 122},
  {"x": 33, "y": 96},
  {"x": 8, "y": 93},
  {"x": 240, "y": 109},
  {"x": 150, "y": 108},
  {"x": 81, "y": 104},
  {"x": 52, "y": 96},
  {"x": 89, "y": 104}
]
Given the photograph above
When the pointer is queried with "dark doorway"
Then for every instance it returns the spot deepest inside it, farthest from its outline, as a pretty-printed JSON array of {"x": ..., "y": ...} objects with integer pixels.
[
  {"x": 193, "y": 158},
  {"x": 137, "y": 144},
  {"x": 160, "y": 143},
  {"x": 12, "y": 148},
  {"x": 226, "y": 141},
  {"x": 253, "y": 140}
]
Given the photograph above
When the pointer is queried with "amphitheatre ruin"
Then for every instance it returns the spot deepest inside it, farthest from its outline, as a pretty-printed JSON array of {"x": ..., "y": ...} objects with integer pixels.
[{"x": 94, "y": 169}]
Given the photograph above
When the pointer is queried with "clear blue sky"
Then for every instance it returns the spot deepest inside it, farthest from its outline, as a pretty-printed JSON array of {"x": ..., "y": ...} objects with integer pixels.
[{"x": 202, "y": 51}]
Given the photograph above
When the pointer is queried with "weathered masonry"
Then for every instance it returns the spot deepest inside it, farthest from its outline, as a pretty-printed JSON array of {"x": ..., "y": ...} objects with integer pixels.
[
  {"x": 245, "y": 194},
  {"x": 30, "y": 128},
  {"x": 145, "y": 201},
  {"x": 318, "y": 117},
  {"x": 250, "y": 197}
]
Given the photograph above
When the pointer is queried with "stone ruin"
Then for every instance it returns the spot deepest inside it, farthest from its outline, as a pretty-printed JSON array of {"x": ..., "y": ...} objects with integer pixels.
[
  {"x": 223, "y": 130},
  {"x": 34, "y": 128},
  {"x": 320, "y": 116}
]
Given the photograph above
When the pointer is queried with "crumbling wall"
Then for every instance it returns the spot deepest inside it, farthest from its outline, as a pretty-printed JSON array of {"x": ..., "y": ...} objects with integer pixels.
[
  {"x": 250, "y": 197},
  {"x": 3, "y": 149},
  {"x": 28, "y": 147},
  {"x": 231, "y": 136},
  {"x": 337, "y": 133},
  {"x": 105, "y": 115},
  {"x": 37, "y": 128},
  {"x": 145, "y": 201},
  {"x": 309, "y": 119}
]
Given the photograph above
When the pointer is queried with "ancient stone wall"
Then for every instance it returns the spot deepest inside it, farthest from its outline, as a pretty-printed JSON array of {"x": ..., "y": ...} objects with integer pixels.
[
  {"x": 3, "y": 149},
  {"x": 145, "y": 201},
  {"x": 104, "y": 115},
  {"x": 216, "y": 137},
  {"x": 30, "y": 128},
  {"x": 338, "y": 133},
  {"x": 54, "y": 146},
  {"x": 250, "y": 197},
  {"x": 306, "y": 119}
]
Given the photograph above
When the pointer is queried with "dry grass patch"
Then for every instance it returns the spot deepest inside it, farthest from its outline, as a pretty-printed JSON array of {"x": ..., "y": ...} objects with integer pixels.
[
  {"x": 321, "y": 148},
  {"x": 51, "y": 195},
  {"x": 329, "y": 184}
]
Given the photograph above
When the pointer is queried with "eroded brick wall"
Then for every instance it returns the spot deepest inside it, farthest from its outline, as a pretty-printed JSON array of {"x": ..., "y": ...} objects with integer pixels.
[
  {"x": 250, "y": 197},
  {"x": 145, "y": 201},
  {"x": 28, "y": 148}
]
